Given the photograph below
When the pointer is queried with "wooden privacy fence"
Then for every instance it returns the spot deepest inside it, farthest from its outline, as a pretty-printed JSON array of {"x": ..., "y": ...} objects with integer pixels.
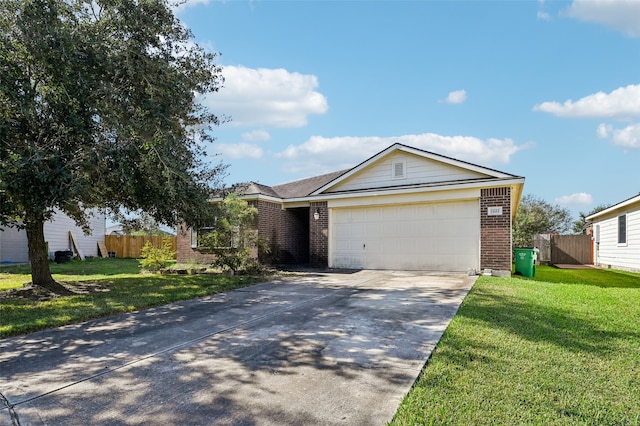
[
  {"x": 543, "y": 243},
  {"x": 131, "y": 245},
  {"x": 564, "y": 249},
  {"x": 571, "y": 249}
]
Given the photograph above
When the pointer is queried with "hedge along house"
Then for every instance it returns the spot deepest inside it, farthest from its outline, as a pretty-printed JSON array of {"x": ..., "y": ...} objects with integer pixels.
[{"x": 402, "y": 209}]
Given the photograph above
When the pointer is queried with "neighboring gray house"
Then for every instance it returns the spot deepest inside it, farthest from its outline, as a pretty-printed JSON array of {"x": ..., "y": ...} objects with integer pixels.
[
  {"x": 13, "y": 242},
  {"x": 616, "y": 235}
]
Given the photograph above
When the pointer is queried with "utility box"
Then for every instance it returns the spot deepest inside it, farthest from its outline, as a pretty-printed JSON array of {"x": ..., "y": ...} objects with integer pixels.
[
  {"x": 525, "y": 260},
  {"x": 63, "y": 256}
]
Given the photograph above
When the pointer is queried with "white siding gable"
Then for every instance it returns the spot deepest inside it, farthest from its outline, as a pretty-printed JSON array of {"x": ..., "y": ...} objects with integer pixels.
[
  {"x": 56, "y": 233},
  {"x": 609, "y": 252},
  {"x": 13, "y": 246},
  {"x": 387, "y": 172}
]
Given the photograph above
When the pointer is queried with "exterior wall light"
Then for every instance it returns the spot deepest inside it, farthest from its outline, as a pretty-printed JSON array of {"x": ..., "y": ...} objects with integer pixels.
[{"x": 316, "y": 215}]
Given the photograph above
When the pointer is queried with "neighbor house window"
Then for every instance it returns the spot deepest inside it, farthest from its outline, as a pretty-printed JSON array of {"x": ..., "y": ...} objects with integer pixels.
[{"x": 622, "y": 229}]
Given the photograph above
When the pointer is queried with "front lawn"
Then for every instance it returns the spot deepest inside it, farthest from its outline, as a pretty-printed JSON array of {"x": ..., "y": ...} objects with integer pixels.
[
  {"x": 562, "y": 348},
  {"x": 111, "y": 285}
]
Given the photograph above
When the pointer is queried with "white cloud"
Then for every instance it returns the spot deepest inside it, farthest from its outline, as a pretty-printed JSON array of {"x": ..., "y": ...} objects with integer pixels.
[
  {"x": 179, "y": 6},
  {"x": 322, "y": 155},
  {"x": 620, "y": 15},
  {"x": 575, "y": 200},
  {"x": 544, "y": 16},
  {"x": 604, "y": 130},
  {"x": 256, "y": 136},
  {"x": 267, "y": 97},
  {"x": 239, "y": 150},
  {"x": 456, "y": 97},
  {"x": 623, "y": 102},
  {"x": 629, "y": 137}
]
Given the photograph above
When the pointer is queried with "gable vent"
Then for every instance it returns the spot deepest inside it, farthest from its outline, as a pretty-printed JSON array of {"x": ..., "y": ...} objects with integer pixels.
[{"x": 398, "y": 170}]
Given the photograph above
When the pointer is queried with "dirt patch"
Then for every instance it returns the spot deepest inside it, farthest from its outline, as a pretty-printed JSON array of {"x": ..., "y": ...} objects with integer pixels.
[
  {"x": 565, "y": 266},
  {"x": 36, "y": 293}
]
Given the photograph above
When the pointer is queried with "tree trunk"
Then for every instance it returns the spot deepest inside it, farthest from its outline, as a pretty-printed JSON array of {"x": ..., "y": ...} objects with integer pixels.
[{"x": 39, "y": 258}]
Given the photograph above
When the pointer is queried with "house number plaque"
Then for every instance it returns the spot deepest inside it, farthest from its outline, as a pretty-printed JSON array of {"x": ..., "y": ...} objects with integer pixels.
[{"x": 494, "y": 211}]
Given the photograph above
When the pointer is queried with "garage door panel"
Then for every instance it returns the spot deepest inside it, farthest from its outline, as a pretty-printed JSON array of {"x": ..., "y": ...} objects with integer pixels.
[
  {"x": 349, "y": 262},
  {"x": 344, "y": 246},
  {"x": 372, "y": 215},
  {"x": 406, "y": 229},
  {"x": 351, "y": 231},
  {"x": 440, "y": 237}
]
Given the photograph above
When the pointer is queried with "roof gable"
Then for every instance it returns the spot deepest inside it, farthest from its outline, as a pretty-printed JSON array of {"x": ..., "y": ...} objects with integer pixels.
[
  {"x": 400, "y": 165},
  {"x": 632, "y": 203}
]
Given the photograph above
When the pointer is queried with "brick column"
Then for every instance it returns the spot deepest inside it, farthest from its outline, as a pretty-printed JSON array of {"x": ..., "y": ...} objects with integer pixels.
[
  {"x": 319, "y": 235},
  {"x": 495, "y": 231}
]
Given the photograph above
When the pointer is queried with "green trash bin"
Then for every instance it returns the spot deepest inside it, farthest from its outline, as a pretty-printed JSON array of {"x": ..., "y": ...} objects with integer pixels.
[{"x": 525, "y": 259}]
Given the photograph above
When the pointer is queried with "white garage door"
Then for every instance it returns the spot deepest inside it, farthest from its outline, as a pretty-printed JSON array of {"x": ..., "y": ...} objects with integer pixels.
[{"x": 429, "y": 237}]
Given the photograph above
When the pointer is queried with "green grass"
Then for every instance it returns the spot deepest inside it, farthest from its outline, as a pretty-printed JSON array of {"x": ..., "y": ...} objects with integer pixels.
[
  {"x": 92, "y": 269},
  {"x": 562, "y": 348},
  {"x": 128, "y": 291}
]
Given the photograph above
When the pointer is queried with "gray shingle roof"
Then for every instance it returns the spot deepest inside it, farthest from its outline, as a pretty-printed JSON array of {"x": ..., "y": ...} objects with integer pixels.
[
  {"x": 304, "y": 187},
  {"x": 295, "y": 189}
]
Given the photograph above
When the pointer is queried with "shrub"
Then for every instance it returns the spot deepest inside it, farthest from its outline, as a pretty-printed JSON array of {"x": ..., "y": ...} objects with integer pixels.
[
  {"x": 154, "y": 258},
  {"x": 233, "y": 240}
]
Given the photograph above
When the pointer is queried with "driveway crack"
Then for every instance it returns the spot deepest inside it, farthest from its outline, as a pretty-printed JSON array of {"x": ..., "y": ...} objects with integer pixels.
[{"x": 15, "y": 421}]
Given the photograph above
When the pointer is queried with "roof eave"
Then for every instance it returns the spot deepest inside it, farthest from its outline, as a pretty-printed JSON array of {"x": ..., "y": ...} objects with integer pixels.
[
  {"x": 514, "y": 181},
  {"x": 621, "y": 205}
]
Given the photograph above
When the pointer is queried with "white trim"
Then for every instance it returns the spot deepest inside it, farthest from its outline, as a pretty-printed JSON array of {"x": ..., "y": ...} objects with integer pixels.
[
  {"x": 376, "y": 200},
  {"x": 250, "y": 197},
  {"x": 397, "y": 190},
  {"x": 516, "y": 185},
  {"x": 615, "y": 207}
]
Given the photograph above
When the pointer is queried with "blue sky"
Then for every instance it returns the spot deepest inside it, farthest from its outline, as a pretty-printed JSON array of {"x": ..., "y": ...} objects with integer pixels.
[{"x": 547, "y": 90}]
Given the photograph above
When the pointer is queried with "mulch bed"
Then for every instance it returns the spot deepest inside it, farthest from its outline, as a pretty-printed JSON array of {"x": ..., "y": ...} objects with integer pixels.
[{"x": 36, "y": 293}]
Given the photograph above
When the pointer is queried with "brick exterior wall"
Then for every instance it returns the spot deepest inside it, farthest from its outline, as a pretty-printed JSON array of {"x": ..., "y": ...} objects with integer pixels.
[
  {"x": 185, "y": 254},
  {"x": 286, "y": 232},
  {"x": 495, "y": 231},
  {"x": 295, "y": 237},
  {"x": 319, "y": 235}
]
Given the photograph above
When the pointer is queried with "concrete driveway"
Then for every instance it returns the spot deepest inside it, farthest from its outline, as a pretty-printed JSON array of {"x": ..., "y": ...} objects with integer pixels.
[{"x": 316, "y": 348}]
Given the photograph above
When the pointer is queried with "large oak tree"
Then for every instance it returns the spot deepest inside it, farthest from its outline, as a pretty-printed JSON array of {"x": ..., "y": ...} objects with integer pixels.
[
  {"x": 99, "y": 109},
  {"x": 536, "y": 216}
]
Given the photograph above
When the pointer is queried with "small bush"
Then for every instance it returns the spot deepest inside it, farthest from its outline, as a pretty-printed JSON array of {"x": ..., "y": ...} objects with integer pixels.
[
  {"x": 154, "y": 259},
  {"x": 234, "y": 239}
]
